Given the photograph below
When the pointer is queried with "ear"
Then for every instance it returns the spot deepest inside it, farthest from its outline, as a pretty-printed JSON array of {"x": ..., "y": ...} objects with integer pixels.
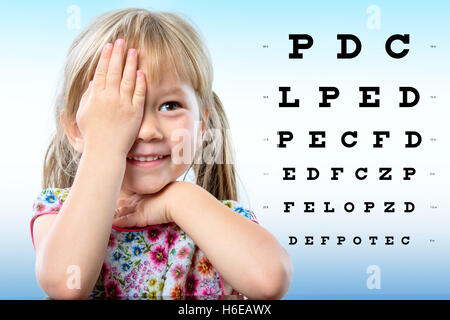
[{"x": 73, "y": 133}]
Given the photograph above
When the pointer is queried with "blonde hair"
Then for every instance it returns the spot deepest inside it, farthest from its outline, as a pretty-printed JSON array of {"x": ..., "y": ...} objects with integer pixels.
[{"x": 157, "y": 35}]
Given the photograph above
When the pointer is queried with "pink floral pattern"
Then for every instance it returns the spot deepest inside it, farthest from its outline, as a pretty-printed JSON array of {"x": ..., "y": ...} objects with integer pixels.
[{"x": 156, "y": 262}]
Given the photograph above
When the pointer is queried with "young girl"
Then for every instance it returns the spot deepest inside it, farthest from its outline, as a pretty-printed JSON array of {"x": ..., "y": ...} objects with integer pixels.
[{"x": 115, "y": 218}]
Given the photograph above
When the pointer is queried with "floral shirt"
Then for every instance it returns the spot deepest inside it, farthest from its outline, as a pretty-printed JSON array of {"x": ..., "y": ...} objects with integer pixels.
[{"x": 156, "y": 262}]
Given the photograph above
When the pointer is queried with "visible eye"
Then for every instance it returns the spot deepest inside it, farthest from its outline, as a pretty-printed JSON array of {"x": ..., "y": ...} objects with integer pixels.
[{"x": 171, "y": 103}]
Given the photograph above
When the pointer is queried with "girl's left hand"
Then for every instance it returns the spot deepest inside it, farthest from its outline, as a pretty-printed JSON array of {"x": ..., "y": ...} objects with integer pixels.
[{"x": 145, "y": 210}]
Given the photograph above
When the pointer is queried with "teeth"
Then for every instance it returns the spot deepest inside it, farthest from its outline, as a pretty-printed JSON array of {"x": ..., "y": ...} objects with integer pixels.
[{"x": 146, "y": 158}]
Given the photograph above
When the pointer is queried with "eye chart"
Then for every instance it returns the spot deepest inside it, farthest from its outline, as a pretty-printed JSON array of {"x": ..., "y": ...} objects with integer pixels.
[{"x": 353, "y": 153}]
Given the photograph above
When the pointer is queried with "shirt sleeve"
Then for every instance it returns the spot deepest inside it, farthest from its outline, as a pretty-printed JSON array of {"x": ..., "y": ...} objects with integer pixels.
[
  {"x": 239, "y": 209},
  {"x": 49, "y": 201}
]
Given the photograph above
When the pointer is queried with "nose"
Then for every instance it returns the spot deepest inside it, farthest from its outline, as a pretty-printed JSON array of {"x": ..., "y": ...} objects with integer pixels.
[{"x": 150, "y": 128}]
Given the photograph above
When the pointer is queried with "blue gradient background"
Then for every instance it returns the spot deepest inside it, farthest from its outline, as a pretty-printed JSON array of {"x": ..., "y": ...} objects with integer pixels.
[{"x": 35, "y": 41}]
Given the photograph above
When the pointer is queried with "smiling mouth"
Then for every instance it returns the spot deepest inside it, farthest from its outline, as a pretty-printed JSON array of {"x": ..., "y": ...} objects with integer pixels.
[
  {"x": 146, "y": 159},
  {"x": 147, "y": 162}
]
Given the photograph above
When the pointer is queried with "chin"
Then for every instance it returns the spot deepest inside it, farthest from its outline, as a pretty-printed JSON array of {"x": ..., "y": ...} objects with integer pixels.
[
  {"x": 151, "y": 183},
  {"x": 143, "y": 186},
  {"x": 146, "y": 189}
]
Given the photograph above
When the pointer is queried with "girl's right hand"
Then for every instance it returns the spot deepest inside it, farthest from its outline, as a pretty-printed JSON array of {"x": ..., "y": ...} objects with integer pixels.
[
  {"x": 149, "y": 209},
  {"x": 111, "y": 109}
]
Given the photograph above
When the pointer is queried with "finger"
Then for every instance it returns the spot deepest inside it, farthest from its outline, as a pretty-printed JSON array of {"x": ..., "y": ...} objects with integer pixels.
[
  {"x": 117, "y": 213},
  {"x": 124, "y": 210},
  {"x": 129, "y": 220},
  {"x": 102, "y": 67},
  {"x": 129, "y": 75},
  {"x": 115, "y": 67},
  {"x": 140, "y": 90}
]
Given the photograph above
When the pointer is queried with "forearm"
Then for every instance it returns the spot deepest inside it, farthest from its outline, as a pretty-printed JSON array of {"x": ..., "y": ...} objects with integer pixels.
[
  {"x": 244, "y": 253},
  {"x": 80, "y": 232}
]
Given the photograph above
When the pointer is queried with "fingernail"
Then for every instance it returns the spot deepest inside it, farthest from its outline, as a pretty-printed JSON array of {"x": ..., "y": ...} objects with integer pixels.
[
  {"x": 119, "y": 42},
  {"x": 131, "y": 52},
  {"x": 107, "y": 47}
]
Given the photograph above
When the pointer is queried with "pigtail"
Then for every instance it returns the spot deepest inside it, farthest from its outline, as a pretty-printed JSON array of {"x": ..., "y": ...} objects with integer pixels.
[
  {"x": 61, "y": 159},
  {"x": 215, "y": 170}
]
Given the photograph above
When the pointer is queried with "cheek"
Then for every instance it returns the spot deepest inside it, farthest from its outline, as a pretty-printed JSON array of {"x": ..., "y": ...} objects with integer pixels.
[{"x": 182, "y": 135}]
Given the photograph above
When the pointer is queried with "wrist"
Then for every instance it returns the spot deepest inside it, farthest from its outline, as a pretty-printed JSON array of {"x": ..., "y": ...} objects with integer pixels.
[
  {"x": 101, "y": 161},
  {"x": 182, "y": 193},
  {"x": 104, "y": 153}
]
